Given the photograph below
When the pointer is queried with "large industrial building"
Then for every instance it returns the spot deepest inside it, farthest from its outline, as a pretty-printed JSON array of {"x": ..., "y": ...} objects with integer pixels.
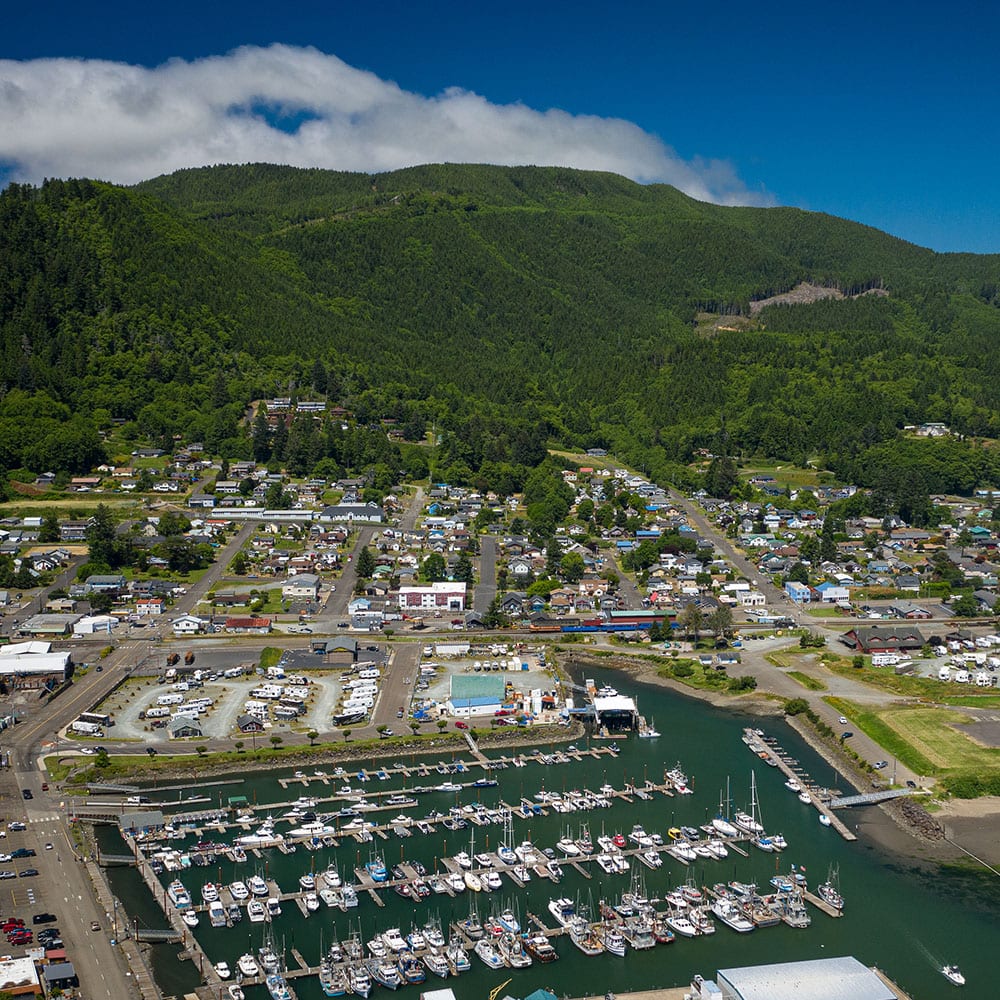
[{"x": 820, "y": 979}]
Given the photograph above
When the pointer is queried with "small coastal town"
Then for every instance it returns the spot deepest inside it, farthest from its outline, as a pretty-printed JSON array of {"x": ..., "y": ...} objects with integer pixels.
[{"x": 334, "y": 623}]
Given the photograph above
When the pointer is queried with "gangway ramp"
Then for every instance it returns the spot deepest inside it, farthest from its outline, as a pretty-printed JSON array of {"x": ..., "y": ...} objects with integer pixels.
[{"x": 871, "y": 798}]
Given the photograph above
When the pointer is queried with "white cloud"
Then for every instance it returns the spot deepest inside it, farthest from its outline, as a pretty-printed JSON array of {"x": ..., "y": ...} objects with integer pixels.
[{"x": 73, "y": 117}]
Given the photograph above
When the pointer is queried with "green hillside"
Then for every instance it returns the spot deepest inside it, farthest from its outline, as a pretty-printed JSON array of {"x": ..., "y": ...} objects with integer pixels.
[{"x": 506, "y": 307}]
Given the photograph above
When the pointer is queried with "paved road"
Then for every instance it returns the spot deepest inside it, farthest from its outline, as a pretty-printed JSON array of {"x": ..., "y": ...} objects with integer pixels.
[{"x": 486, "y": 590}]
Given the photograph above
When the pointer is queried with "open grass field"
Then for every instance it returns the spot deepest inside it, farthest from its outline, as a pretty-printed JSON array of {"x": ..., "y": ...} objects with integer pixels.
[
  {"x": 784, "y": 475},
  {"x": 924, "y": 738}
]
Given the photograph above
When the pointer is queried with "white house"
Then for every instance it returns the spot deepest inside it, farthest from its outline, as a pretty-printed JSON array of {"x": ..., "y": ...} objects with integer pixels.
[
  {"x": 188, "y": 625},
  {"x": 302, "y": 586}
]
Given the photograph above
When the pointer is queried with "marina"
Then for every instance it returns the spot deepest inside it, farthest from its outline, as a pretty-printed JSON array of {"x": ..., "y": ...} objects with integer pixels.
[{"x": 532, "y": 807}]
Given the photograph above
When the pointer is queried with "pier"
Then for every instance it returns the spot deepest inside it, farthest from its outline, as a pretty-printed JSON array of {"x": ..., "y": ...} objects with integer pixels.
[{"x": 769, "y": 751}]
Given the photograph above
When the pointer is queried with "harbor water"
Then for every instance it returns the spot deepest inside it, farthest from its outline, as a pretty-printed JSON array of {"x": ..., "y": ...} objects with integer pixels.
[{"x": 907, "y": 917}]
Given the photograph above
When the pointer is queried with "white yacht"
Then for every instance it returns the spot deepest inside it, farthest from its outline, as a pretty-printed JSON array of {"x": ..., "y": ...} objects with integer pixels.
[{"x": 247, "y": 966}]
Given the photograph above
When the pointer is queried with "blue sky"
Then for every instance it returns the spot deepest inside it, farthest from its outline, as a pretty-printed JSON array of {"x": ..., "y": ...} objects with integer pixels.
[{"x": 884, "y": 116}]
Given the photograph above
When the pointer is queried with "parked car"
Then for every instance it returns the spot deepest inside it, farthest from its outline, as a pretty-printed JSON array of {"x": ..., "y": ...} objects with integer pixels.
[
  {"x": 43, "y": 918},
  {"x": 16, "y": 825},
  {"x": 26, "y": 793},
  {"x": 461, "y": 725},
  {"x": 8, "y": 874},
  {"x": 28, "y": 873}
]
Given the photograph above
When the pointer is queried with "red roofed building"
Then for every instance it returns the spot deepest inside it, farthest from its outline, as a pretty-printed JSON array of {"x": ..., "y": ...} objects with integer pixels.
[{"x": 254, "y": 626}]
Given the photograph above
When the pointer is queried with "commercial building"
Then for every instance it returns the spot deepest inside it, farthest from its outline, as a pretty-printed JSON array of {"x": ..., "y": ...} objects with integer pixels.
[
  {"x": 445, "y": 595},
  {"x": 820, "y": 979}
]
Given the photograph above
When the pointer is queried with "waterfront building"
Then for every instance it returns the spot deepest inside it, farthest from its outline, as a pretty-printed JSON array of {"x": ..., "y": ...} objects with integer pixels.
[{"x": 842, "y": 978}]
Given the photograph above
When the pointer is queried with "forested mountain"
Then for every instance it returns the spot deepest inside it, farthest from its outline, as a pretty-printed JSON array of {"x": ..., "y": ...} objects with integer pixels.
[{"x": 506, "y": 307}]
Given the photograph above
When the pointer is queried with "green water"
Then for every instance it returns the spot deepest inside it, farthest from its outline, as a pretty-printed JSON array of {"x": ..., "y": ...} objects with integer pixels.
[{"x": 905, "y": 917}]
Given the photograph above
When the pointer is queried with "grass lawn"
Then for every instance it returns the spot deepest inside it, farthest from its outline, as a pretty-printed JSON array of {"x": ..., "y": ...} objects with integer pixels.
[
  {"x": 924, "y": 739},
  {"x": 783, "y": 475},
  {"x": 806, "y": 681},
  {"x": 824, "y": 613}
]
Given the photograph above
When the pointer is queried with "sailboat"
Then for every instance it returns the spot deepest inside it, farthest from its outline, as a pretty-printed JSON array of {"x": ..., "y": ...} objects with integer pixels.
[
  {"x": 748, "y": 822},
  {"x": 721, "y": 822}
]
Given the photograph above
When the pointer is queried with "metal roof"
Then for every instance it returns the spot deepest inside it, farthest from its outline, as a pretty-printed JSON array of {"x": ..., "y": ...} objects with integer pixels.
[{"x": 842, "y": 978}]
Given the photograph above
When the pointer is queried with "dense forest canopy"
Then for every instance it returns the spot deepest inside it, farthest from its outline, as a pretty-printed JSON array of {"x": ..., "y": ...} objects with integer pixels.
[{"x": 506, "y": 308}]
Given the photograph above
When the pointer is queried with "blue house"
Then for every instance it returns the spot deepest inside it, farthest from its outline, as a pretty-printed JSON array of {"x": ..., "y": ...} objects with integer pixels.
[{"x": 800, "y": 593}]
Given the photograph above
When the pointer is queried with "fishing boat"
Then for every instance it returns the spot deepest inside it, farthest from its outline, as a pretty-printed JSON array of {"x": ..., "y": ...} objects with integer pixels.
[
  {"x": 703, "y": 923},
  {"x": 384, "y": 973},
  {"x": 470, "y": 926},
  {"x": 582, "y": 935},
  {"x": 433, "y": 935},
  {"x": 436, "y": 963},
  {"x": 509, "y": 922},
  {"x": 662, "y": 934},
  {"x": 378, "y": 947},
  {"x": 488, "y": 954},
  {"x": 348, "y": 897},
  {"x": 410, "y": 968},
  {"x": 179, "y": 896},
  {"x": 311, "y": 902},
  {"x": 458, "y": 959},
  {"x": 829, "y": 891},
  {"x": 647, "y": 731},
  {"x": 269, "y": 960},
  {"x": 273, "y": 907},
  {"x": 332, "y": 978},
  {"x": 375, "y": 866},
  {"x": 277, "y": 987},
  {"x": 247, "y": 966},
  {"x": 953, "y": 974},
  {"x": 512, "y": 951},
  {"x": 613, "y": 940},
  {"x": 359, "y": 980},
  {"x": 540, "y": 948}
]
